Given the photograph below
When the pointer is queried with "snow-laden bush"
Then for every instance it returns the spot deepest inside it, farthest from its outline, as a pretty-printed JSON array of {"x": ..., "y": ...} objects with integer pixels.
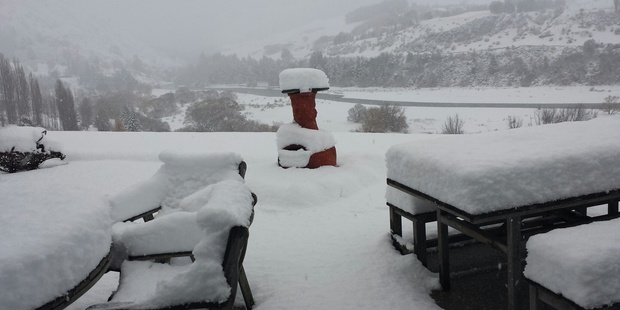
[
  {"x": 453, "y": 125},
  {"x": 23, "y": 148},
  {"x": 386, "y": 118},
  {"x": 357, "y": 113},
  {"x": 611, "y": 104},
  {"x": 553, "y": 116}
]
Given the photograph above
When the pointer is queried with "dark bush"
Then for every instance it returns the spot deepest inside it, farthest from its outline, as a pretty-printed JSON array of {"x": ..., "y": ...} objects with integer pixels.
[{"x": 386, "y": 118}]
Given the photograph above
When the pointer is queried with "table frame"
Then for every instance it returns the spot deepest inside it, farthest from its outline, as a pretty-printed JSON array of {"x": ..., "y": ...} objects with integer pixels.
[{"x": 513, "y": 220}]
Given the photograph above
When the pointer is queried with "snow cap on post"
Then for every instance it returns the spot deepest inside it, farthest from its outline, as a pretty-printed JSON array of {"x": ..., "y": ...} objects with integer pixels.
[{"x": 303, "y": 80}]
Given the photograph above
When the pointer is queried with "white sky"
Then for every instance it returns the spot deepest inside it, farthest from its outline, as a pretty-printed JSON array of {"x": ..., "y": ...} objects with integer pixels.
[
  {"x": 190, "y": 25},
  {"x": 193, "y": 24}
]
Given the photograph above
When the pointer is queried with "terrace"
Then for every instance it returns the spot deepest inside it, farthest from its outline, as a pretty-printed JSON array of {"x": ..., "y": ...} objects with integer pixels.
[{"x": 319, "y": 239}]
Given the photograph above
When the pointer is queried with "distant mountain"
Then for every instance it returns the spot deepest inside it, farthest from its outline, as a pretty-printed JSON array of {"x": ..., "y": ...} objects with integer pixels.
[
  {"x": 394, "y": 43},
  {"x": 53, "y": 36},
  {"x": 394, "y": 27}
]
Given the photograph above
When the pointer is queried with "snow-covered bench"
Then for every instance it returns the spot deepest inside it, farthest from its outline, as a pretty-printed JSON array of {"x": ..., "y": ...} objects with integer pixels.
[
  {"x": 524, "y": 180},
  {"x": 575, "y": 268},
  {"x": 214, "y": 225},
  {"x": 179, "y": 176}
]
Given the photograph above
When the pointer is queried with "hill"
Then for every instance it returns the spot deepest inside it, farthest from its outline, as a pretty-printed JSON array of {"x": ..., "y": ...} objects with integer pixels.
[{"x": 554, "y": 43}]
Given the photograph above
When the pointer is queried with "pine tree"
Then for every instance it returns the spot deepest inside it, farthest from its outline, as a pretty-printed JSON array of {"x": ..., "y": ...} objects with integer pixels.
[
  {"x": 22, "y": 92},
  {"x": 86, "y": 113},
  {"x": 8, "y": 87},
  {"x": 102, "y": 118},
  {"x": 37, "y": 101},
  {"x": 130, "y": 120},
  {"x": 66, "y": 107}
]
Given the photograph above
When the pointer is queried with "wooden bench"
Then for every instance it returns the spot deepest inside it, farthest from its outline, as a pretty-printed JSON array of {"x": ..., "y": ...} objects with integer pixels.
[
  {"x": 144, "y": 272},
  {"x": 575, "y": 268}
]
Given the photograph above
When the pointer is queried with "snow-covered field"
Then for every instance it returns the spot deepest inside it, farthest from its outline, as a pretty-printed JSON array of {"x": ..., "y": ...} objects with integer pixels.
[
  {"x": 320, "y": 237},
  {"x": 332, "y": 115}
]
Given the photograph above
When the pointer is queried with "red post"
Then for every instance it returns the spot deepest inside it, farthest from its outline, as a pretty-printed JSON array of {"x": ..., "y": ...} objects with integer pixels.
[
  {"x": 301, "y": 87},
  {"x": 304, "y": 109}
]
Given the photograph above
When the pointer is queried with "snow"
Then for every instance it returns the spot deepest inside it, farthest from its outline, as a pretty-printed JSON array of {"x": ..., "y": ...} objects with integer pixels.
[
  {"x": 332, "y": 115},
  {"x": 499, "y": 95},
  {"x": 181, "y": 175},
  {"x": 303, "y": 79},
  {"x": 55, "y": 229},
  {"x": 315, "y": 232},
  {"x": 507, "y": 169},
  {"x": 24, "y": 139},
  {"x": 314, "y": 141},
  {"x": 222, "y": 206},
  {"x": 581, "y": 263},
  {"x": 158, "y": 235}
]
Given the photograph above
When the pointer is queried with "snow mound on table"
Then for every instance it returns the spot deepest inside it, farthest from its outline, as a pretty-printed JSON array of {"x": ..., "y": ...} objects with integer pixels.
[
  {"x": 181, "y": 175},
  {"x": 581, "y": 263},
  {"x": 487, "y": 172},
  {"x": 55, "y": 230},
  {"x": 160, "y": 285},
  {"x": 303, "y": 79},
  {"x": 24, "y": 139}
]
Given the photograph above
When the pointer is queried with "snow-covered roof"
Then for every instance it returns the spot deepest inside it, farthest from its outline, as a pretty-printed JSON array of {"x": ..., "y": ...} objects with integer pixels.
[
  {"x": 303, "y": 79},
  {"x": 581, "y": 263},
  {"x": 486, "y": 172}
]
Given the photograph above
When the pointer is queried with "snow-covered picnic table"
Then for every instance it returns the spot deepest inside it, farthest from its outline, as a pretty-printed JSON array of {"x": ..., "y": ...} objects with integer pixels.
[
  {"x": 55, "y": 232},
  {"x": 568, "y": 262},
  {"x": 506, "y": 177}
]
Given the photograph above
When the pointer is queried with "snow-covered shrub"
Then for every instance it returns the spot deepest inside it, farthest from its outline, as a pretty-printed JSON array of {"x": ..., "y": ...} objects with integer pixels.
[
  {"x": 23, "y": 148},
  {"x": 220, "y": 115},
  {"x": 453, "y": 125},
  {"x": 552, "y": 116},
  {"x": 386, "y": 118},
  {"x": 357, "y": 113},
  {"x": 611, "y": 104},
  {"x": 514, "y": 122}
]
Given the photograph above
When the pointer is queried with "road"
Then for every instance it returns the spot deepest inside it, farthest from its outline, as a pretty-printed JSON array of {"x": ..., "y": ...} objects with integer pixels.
[{"x": 340, "y": 98}]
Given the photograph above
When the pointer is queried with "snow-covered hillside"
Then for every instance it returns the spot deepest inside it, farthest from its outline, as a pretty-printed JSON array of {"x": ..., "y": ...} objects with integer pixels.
[{"x": 578, "y": 22}]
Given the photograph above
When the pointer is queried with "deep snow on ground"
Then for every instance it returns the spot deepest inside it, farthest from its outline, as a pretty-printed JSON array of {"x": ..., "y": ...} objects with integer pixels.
[{"x": 320, "y": 237}]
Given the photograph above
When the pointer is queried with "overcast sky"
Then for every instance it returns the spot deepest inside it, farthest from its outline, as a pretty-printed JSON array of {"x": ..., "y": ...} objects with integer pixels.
[
  {"x": 192, "y": 26},
  {"x": 211, "y": 23}
]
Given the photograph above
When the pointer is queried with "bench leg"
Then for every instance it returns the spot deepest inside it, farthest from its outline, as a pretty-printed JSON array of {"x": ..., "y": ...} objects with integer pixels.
[
  {"x": 148, "y": 217},
  {"x": 515, "y": 274},
  {"x": 443, "y": 249},
  {"x": 396, "y": 229},
  {"x": 245, "y": 289},
  {"x": 612, "y": 207},
  {"x": 419, "y": 241},
  {"x": 535, "y": 302}
]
